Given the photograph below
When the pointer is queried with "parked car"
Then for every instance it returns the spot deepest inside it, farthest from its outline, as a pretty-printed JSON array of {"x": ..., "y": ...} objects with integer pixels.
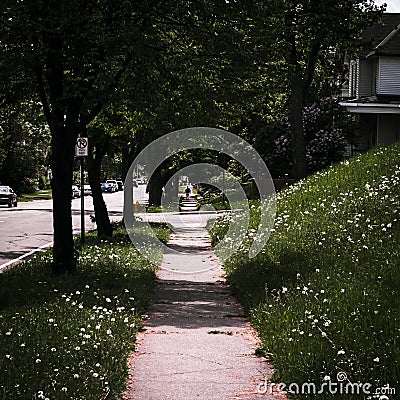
[
  {"x": 87, "y": 190},
  {"x": 8, "y": 196},
  {"x": 120, "y": 185},
  {"x": 75, "y": 192},
  {"x": 114, "y": 183},
  {"x": 107, "y": 188}
]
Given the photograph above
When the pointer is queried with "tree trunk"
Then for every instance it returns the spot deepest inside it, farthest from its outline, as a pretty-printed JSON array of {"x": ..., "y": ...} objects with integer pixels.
[
  {"x": 63, "y": 120},
  {"x": 295, "y": 115},
  {"x": 126, "y": 161},
  {"x": 104, "y": 227},
  {"x": 171, "y": 192},
  {"x": 155, "y": 188},
  {"x": 63, "y": 144}
]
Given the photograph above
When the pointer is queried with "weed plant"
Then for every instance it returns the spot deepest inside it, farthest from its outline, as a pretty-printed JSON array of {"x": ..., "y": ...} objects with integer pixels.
[{"x": 68, "y": 337}]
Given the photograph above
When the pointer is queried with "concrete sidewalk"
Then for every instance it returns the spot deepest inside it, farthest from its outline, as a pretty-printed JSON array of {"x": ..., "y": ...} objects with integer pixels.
[{"x": 198, "y": 343}]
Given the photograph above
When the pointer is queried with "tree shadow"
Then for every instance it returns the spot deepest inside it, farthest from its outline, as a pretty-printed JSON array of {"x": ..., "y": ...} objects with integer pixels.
[{"x": 183, "y": 304}]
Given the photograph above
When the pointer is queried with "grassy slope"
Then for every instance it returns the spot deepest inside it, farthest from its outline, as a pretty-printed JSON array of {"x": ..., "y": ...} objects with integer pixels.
[
  {"x": 69, "y": 337},
  {"x": 332, "y": 273}
]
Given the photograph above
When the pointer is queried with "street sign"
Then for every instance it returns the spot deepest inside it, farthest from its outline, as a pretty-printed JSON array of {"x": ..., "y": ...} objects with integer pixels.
[
  {"x": 82, "y": 147},
  {"x": 82, "y": 150}
]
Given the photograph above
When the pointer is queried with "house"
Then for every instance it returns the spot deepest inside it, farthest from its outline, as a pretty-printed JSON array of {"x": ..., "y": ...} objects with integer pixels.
[{"x": 373, "y": 89}]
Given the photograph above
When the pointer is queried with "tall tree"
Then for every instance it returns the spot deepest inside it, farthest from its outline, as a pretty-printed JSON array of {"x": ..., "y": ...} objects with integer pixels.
[
  {"x": 24, "y": 145},
  {"x": 313, "y": 30},
  {"x": 99, "y": 141},
  {"x": 308, "y": 33},
  {"x": 79, "y": 52},
  {"x": 24, "y": 139}
]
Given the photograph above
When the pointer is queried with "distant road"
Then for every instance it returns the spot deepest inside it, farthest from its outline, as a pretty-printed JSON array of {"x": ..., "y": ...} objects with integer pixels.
[{"x": 30, "y": 226}]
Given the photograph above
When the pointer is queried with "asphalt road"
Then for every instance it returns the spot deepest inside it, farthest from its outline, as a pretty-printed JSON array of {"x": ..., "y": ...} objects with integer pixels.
[{"x": 29, "y": 227}]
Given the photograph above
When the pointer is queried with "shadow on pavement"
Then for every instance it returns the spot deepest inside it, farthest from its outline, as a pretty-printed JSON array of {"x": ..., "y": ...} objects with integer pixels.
[{"x": 192, "y": 305}]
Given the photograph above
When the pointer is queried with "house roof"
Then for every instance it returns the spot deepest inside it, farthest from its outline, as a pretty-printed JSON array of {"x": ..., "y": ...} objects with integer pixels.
[{"x": 384, "y": 36}]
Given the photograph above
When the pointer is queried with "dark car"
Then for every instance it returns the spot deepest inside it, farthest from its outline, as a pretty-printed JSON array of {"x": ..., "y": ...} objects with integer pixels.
[
  {"x": 113, "y": 183},
  {"x": 8, "y": 196},
  {"x": 107, "y": 188},
  {"x": 120, "y": 185}
]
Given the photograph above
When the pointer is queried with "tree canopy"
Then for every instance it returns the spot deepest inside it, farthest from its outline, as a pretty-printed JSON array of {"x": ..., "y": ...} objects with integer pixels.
[{"x": 162, "y": 66}]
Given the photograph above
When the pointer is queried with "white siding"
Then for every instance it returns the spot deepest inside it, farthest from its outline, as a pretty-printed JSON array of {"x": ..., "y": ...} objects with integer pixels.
[
  {"x": 353, "y": 78},
  {"x": 389, "y": 76}
]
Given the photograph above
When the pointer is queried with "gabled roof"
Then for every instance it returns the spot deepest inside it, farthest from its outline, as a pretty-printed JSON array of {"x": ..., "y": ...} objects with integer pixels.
[{"x": 384, "y": 36}]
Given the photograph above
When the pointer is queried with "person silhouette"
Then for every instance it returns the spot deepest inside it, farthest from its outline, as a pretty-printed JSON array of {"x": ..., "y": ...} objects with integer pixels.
[{"x": 187, "y": 191}]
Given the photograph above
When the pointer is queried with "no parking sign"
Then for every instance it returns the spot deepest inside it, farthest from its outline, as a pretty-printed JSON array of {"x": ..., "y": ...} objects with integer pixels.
[
  {"x": 82, "y": 150},
  {"x": 81, "y": 147}
]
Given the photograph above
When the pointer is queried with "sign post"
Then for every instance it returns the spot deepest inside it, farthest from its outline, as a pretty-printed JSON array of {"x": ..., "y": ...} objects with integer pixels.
[{"x": 82, "y": 151}]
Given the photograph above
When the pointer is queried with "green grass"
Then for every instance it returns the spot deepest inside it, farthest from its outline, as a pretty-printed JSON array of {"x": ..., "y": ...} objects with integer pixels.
[
  {"x": 39, "y": 195},
  {"x": 69, "y": 337},
  {"x": 216, "y": 203},
  {"x": 324, "y": 293}
]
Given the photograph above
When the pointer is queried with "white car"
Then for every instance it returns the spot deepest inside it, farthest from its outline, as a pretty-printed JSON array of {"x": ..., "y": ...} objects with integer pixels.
[
  {"x": 113, "y": 183},
  {"x": 87, "y": 190},
  {"x": 75, "y": 192}
]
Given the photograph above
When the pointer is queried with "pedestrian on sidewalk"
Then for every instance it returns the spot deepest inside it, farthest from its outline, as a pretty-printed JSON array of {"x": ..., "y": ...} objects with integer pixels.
[{"x": 187, "y": 191}]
